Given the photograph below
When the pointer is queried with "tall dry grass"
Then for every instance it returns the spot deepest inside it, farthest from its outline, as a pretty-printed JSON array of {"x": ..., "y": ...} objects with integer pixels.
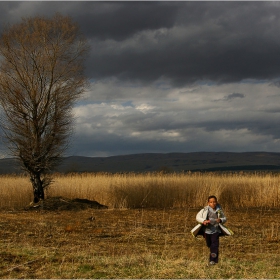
[{"x": 152, "y": 189}]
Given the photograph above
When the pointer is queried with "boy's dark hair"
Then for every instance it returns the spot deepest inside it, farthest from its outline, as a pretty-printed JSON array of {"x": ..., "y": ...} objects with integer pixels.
[{"x": 212, "y": 196}]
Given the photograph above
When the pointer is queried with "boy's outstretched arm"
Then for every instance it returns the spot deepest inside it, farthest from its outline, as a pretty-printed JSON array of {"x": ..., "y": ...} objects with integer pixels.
[
  {"x": 222, "y": 217},
  {"x": 199, "y": 216}
]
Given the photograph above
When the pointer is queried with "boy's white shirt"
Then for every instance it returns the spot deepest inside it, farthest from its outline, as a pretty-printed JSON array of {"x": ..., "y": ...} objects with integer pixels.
[{"x": 202, "y": 214}]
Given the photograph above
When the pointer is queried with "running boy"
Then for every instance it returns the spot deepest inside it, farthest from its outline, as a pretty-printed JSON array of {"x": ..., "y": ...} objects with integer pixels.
[{"x": 211, "y": 216}]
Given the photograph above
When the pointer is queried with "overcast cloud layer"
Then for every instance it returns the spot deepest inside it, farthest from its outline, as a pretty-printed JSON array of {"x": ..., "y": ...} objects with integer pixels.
[{"x": 173, "y": 76}]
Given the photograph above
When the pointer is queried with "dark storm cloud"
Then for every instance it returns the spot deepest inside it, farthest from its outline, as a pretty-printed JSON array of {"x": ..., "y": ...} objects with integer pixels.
[
  {"x": 265, "y": 127},
  {"x": 234, "y": 95},
  {"x": 120, "y": 20},
  {"x": 183, "y": 42},
  {"x": 216, "y": 41},
  {"x": 97, "y": 19}
]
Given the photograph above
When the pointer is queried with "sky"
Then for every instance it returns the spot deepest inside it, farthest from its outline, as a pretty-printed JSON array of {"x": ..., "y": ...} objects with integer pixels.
[{"x": 166, "y": 76}]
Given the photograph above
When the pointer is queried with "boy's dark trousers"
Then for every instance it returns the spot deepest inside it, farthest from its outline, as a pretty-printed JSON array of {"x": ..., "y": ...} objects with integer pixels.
[{"x": 212, "y": 241}]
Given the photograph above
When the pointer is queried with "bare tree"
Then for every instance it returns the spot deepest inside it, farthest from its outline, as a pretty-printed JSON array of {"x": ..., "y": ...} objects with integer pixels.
[{"x": 41, "y": 76}]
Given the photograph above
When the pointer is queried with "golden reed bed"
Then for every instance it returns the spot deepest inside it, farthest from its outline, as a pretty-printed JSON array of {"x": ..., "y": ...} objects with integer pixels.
[{"x": 151, "y": 190}]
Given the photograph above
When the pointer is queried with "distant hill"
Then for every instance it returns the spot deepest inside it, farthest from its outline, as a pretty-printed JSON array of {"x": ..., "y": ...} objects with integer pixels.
[{"x": 198, "y": 161}]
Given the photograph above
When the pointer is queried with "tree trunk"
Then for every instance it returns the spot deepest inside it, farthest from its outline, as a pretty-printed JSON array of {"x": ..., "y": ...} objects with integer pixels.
[{"x": 38, "y": 189}]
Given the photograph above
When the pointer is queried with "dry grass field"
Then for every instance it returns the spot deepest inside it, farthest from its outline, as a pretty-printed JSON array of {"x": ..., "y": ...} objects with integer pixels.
[{"x": 145, "y": 232}]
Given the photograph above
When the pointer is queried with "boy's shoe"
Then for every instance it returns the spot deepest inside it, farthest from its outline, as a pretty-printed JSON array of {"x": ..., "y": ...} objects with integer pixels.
[{"x": 212, "y": 263}]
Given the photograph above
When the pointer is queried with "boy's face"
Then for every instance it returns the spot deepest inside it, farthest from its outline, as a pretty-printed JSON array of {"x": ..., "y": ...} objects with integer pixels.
[{"x": 212, "y": 203}]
